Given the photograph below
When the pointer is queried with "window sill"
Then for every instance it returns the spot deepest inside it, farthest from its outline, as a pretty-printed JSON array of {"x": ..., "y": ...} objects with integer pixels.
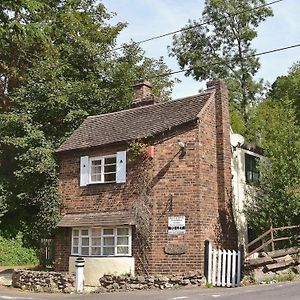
[{"x": 107, "y": 182}]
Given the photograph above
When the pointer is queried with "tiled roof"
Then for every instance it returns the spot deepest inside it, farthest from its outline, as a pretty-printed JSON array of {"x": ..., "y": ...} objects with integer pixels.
[
  {"x": 96, "y": 219},
  {"x": 135, "y": 123}
]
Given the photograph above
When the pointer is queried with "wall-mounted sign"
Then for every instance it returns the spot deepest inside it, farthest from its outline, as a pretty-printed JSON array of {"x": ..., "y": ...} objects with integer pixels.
[{"x": 176, "y": 225}]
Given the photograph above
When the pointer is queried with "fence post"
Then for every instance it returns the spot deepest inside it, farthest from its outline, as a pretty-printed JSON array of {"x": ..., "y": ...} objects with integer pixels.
[
  {"x": 241, "y": 261},
  {"x": 207, "y": 260},
  {"x": 233, "y": 267},
  {"x": 239, "y": 268},
  {"x": 272, "y": 235}
]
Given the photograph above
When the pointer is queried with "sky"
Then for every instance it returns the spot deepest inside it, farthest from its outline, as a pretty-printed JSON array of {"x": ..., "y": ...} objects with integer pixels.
[{"x": 147, "y": 18}]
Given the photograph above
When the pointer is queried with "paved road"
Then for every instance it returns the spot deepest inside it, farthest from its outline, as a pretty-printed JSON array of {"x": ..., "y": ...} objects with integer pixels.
[{"x": 282, "y": 291}]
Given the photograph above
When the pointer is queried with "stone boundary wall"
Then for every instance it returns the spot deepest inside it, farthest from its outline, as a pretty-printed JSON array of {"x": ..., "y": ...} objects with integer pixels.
[
  {"x": 55, "y": 282},
  {"x": 111, "y": 283},
  {"x": 38, "y": 281}
]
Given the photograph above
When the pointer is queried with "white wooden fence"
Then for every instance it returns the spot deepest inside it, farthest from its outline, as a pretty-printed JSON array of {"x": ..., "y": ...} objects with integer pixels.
[{"x": 224, "y": 267}]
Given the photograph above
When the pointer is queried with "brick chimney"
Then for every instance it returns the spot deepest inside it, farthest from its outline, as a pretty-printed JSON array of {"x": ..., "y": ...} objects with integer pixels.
[
  {"x": 142, "y": 94},
  {"x": 223, "y": 152}
]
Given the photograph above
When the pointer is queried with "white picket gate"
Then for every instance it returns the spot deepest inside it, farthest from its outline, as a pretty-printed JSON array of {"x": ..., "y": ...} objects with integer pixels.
[{"x": 224, "y": 267}]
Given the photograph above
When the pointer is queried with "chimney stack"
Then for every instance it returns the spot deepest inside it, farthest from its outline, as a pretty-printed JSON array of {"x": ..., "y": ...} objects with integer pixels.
[
  {"x": 223, "y": 151},
  {"x": 142, "y": 94}
]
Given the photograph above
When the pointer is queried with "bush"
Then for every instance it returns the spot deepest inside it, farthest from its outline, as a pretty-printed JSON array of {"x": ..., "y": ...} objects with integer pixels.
[{"x": 14, "y": 254}]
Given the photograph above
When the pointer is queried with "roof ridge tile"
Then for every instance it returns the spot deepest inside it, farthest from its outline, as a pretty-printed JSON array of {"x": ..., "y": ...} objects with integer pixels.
[{"x": 208, "y": 91}]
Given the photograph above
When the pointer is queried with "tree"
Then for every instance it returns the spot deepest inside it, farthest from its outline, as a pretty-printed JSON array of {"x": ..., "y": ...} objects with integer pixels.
[
  {"x": 278, "y": 196},
  {"x": 28, "y": 174},
  {"x": 288, "y": 87},
  {"x": 76, "y": 73},
  {"x": 23, "y": 40},
  {"x": 219, "y": 46}
]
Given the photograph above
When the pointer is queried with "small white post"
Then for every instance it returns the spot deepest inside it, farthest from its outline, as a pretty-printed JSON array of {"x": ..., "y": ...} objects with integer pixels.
[{"x": 79, "y": 264}]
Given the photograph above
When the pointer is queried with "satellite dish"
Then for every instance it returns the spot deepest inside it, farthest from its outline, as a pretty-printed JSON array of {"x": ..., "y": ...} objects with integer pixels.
[{"x": 236, "y": 140}]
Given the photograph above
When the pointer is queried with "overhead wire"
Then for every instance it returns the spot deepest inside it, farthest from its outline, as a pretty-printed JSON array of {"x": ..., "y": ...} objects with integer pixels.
[
  {"x": 247, "y": 56},
  {"x": 194, "y": 26},
  {"x": 206, "y": 23}
]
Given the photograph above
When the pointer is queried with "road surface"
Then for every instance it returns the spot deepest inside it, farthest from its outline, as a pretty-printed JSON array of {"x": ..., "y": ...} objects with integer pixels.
[{"x": 279, "y": 291}]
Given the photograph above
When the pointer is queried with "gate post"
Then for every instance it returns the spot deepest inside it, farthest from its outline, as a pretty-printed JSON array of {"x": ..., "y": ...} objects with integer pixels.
[{"x": 207, "y": 261}]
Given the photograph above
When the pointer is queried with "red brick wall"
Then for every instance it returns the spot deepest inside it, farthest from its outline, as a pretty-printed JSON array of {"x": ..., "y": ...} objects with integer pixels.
[
  {"x": 62, "y": 249},
  {"x": 192, "y": 181},
  {"x": 97, "y": 197},
  {"x": 177, "y": 180},
  {"x": 94, "y": 197}
]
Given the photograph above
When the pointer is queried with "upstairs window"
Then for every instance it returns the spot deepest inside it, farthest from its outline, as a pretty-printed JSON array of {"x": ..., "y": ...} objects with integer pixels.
[
  {"x": 252, "y": 172},
  {"x": 103, "y": 169}
]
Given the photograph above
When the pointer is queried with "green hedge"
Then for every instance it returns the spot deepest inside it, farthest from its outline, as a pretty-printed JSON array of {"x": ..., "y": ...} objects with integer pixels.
[{"x": 12, "y": 253}]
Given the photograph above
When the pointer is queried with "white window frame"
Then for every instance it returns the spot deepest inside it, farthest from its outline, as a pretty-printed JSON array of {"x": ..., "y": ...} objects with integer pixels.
[
  {"x": 115, "y": 235},
  {"x": 102, "y": 159},
  {"x": 86, "y": 169}
]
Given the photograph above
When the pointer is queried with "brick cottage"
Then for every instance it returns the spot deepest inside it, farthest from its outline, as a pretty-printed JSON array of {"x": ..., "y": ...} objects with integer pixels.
[{"x": 143, "y": 188}]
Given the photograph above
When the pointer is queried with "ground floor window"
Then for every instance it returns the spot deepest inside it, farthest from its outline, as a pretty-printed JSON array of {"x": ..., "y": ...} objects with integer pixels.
[{"x": 101, "y": 241}]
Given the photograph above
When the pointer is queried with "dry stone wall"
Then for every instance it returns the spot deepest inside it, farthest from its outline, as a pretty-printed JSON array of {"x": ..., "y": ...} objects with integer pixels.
[
  {"x": 49, "y": 282},
  {"x": 111, "y": 283}
]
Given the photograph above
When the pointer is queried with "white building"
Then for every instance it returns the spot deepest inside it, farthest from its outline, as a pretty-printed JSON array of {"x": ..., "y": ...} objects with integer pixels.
[{"x": 245, "y": 174}]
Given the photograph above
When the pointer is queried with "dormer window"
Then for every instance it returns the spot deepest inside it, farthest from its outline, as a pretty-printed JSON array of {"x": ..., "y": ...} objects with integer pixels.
[{"x": 103, "y": 169}]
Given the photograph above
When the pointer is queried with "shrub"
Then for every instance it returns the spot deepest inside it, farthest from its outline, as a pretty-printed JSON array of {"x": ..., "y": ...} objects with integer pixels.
[{"x": 14, "y": 254}]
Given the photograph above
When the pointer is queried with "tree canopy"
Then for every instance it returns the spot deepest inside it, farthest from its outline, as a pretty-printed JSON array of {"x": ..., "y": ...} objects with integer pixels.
[
  {"x": 57, "y": 65},
  {"x": 288, "y": 87},
  {"x": 218, "y": 45},
  {"x": 277, "y": 122}
]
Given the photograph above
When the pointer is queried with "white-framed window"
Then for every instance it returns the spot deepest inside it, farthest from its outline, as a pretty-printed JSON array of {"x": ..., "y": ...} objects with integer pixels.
[
  {"x": 105, "y": 241},
  {"x": 103, "y": 169}
]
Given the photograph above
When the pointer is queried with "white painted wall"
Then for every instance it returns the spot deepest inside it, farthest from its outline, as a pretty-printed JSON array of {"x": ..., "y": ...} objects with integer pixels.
[
  {"x": 242, "y": 192},
  {"x": 96, "y": 267}
]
